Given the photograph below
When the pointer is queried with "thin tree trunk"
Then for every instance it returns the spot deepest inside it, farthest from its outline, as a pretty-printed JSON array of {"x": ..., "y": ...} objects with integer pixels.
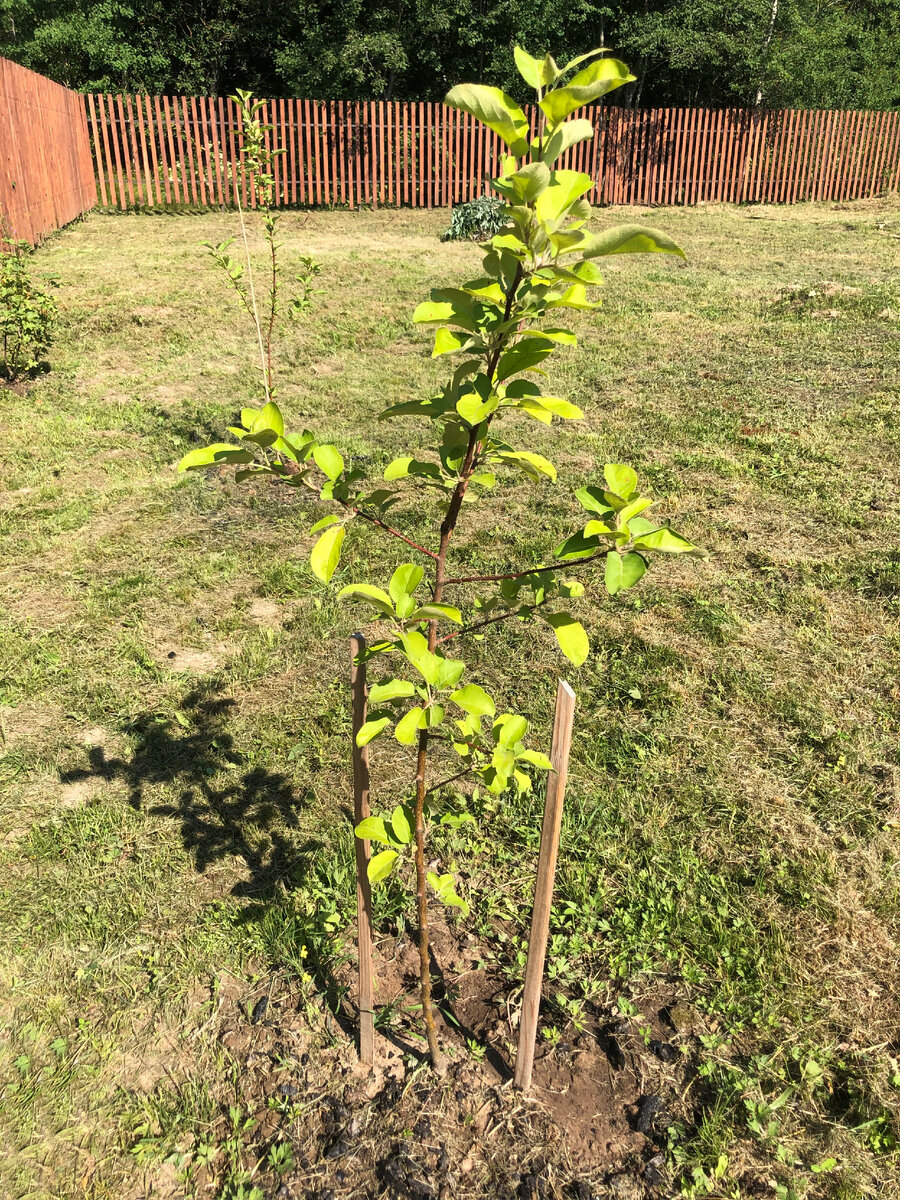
[{"x": 773, "y": 16}]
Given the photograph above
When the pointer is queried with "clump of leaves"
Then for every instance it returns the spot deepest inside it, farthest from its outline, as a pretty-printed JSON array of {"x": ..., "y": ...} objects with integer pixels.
[
  {"x": 258, "y": 158},
  {"x": 501, "y": 326},
  {"x": 27, "y": 314},
  {"x": 475, "y": 220}
]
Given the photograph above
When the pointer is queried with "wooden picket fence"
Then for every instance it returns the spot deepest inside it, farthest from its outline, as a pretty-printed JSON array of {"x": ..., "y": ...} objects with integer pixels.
[
  {"x": 161, "y": 151},
  {"x": 46, "y": 167}
]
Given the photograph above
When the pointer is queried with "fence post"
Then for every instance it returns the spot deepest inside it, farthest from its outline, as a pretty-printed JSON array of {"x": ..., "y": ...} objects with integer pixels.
[
  {"x": 543, "y": 892},
  {"x": 363, "y": 889}
]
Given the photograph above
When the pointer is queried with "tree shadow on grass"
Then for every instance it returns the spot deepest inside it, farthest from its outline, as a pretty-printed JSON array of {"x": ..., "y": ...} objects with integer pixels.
[{"x": 251, "y": 817}]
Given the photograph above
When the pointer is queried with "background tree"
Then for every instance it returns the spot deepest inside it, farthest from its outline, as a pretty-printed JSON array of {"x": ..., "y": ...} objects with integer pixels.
[{"x": 796, "y": 52}]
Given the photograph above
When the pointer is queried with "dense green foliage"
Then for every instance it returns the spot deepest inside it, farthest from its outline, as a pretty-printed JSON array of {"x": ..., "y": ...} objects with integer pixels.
[
  {"x": 786, "y": 52},
  {"x": 475, "y": 220},
  {"x": 26, "y": 314}
]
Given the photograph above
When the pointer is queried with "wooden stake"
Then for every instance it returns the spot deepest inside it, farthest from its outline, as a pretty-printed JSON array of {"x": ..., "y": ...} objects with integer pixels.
[
  {"x": 363, "y": 889},
  {"x": 543, "y": 892}
]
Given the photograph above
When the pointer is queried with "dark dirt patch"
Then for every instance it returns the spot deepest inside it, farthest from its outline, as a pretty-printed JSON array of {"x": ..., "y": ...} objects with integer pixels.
[{"x": 593, "y": 1124}]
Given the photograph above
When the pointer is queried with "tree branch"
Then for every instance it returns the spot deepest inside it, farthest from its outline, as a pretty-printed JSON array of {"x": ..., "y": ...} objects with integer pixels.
[
  {"x": 571, "y": 565},
  {"x": 388, "y": 529}
]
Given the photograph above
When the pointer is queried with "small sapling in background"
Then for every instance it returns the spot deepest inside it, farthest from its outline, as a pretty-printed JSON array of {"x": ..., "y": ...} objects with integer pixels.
[
  {"x": 500, "y": 328},
  {"x": 260, "y": 181}
]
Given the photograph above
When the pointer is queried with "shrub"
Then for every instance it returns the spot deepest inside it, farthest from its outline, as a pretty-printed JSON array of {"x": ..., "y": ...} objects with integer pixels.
[
  {"x": 26, "y": 315},
  {"x": 475, "y": 220}
]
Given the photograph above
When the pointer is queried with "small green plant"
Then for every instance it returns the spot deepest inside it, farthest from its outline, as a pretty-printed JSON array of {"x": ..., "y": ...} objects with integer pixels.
[
  {"x": 475, "y": 220},
  {"x": 258, "y": 177},
  {"x": 501, "y": 326},
  {"x": 26, "y": 314}
]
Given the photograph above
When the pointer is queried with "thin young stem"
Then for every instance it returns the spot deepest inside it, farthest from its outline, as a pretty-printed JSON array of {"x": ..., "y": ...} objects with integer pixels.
[
  {"x": 391, "y": 530},
  {"x": 255, "y": 313},
  {"x": 557, "y": 566},
  {"x": 448, "y": 527},
  {"x": 513, "y": 612},
  {"x": 273, "y": 292}
]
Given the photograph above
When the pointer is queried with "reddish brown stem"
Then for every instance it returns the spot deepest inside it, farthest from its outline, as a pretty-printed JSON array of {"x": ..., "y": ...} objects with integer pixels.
[
  {"x": 390, "y": 529},
  {"x": 578, "y": 562}
]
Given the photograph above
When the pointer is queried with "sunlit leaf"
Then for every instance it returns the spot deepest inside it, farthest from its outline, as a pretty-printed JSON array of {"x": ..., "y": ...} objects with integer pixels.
[
  {"x": 381, "y": 865},
  {"x": 374, "y": 595},
  {"x": 329, "y": 461},
  {"x": 209, "y": 456},
  {"x": 623, "y": 571},
  {"x": 373, "y": 829},
  {"x": 497, "y": 110},
  {"x": 393, "y": 689},
  {"x": 573, "y": 641},
  {"x": 403, "y": 824},
  {"x": 405, "y": 580},
  {"x": 371, "y": 730},
  {"x": 474, "y": 699},
  {"x": 326, "y": 553},
  {"x": 407, "y": 729}
]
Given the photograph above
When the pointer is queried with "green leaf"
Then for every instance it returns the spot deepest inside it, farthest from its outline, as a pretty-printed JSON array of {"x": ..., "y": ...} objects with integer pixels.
[
  {"x": 536, "y": 759},
  {"x": 265, "y": 437},
  {"x": 393, "y": 689},
  {"x": 403, "y": 824},
  {"x": 331, "y": 519},
  {"x": 665, "y": 540},
  {"x": 512, "y": 730},
  {"x": 537, "y": 72},
  {"x": 416, "y": 649},
  {"x": 524, "y": 355},
  {"x": 594, "y": 81},
  {"x": 568, "y": 134},
  {"x": 449, "y": 672},
  {"x": 371, "y": 730},
  {"x": 373, "y": 829},
  {"x": 374, "y": 595},
  {"x": 327, "y": 553},
  {"x": 329, "y": 461},
  {"x": 444, "y": 885},
  {"x": 405, "y": 580},
  {"x": 269, "y": 417},
  {"x": 475, "y": 700},
  {"x": 573, "y": 297},
  {"x": 446, "y": 341},
  {"x": 533, "y": 465},
  {"x": 473, "y": 409},
  {"x": 565, "y": 188},
  {"x": 401, "y": 467},
  {"x": 631, "y": 239},
  {"x": 593, "y": 499},
  {"x": 525, "y": 185},
  {"x": 625, "y": 514},
  {"x": 623, "y": 571},
  {"x": 381, "y": 865},
  {"x": 497, "y": 110},
  {"x": 573, "y": 641},
  {"x": 210, "y": 456},
  {"x": 621, "y": 480},
  {"x": 407, "y": 728},
  {"x": 435, "y": 612}
]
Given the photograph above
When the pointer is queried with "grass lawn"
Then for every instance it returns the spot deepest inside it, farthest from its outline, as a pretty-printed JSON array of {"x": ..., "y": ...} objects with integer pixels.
[{"x": 175, "y": 771}]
